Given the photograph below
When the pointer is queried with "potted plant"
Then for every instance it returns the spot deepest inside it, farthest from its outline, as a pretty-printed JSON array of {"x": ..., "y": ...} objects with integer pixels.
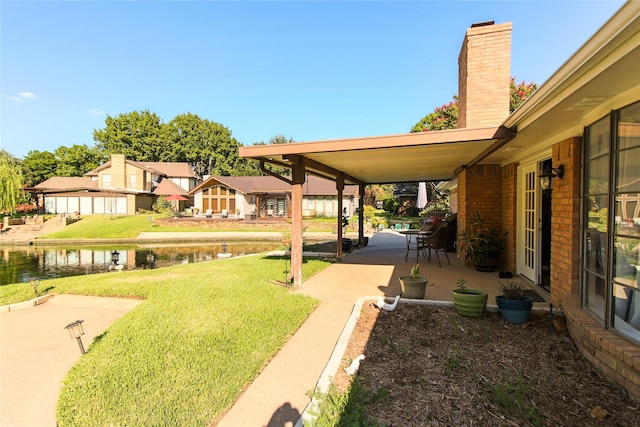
[
  {"x": 481, "y": 244},
  {"x": 469, "y": 302},
  {"x": 413, "y": 286},
  {"x": 513, "y": 304}
]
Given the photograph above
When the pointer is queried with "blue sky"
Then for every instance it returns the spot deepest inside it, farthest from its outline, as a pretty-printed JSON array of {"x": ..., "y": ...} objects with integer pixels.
[{"x": 306, "y": 70}]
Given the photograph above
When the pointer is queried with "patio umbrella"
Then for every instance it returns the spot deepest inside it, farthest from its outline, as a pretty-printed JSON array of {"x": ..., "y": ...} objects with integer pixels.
[
  {"x": 422, "y": 195},
  {"x": 176, "y": 197}
]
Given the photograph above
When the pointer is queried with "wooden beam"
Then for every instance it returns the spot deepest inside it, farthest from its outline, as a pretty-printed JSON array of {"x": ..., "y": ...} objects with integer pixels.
[{"x": 298, "y": 178}]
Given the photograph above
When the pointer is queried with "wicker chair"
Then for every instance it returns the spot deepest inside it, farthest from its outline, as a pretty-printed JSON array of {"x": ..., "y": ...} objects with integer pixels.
[{"x": 436, "y": 241}]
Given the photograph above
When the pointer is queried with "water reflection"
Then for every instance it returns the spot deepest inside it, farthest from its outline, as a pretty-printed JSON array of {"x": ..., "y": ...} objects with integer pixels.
[{"x": 23, "y": 264}]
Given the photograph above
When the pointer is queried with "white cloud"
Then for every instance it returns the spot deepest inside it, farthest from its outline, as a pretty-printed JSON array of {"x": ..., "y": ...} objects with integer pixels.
[
  {"x": 21, "y": 96},
  {"x": 28, "y": 95},
  {"x": 96, "y": 112}
]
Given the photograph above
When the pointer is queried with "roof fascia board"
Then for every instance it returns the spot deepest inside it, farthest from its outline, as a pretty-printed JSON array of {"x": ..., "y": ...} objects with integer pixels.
[
  {"x": 367, "y": 143},
  {"x": 567, "y": 78}
]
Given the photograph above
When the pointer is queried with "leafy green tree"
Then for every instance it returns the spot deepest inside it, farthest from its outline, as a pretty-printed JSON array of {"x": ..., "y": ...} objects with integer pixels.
[
  {"x": 446, "y": 116},
  {"x": 77, "y": 159},
  {"x": 10, "y": 181},
  {"x": 208, "y": 146},
  {"x": 443, "y": 117},
  {"x": 135, "y": 134},
  {"x": 38, "y": 166}
]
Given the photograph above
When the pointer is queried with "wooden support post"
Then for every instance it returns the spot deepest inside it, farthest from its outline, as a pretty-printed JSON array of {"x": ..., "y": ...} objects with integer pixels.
[
  {"x": 361, "y": 215},
  {"x": 340, "y": 188},
  {"x": 298, "y": 178}
]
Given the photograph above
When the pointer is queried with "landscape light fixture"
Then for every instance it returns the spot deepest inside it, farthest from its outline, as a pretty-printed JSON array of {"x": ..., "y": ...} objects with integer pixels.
[
  {"x": 225, "y": 247},
  {"x": 548, "y": 174},
  {"x": 76, "y": 331},
  {"x": 115, "y": 257}
]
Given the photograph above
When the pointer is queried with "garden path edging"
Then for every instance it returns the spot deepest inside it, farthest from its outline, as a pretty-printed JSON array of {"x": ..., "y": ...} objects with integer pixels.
[{"x": 25, "y": 304}]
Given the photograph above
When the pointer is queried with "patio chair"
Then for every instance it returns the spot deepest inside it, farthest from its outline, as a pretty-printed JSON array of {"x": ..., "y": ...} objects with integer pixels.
[{"x": 436, "y": 241}]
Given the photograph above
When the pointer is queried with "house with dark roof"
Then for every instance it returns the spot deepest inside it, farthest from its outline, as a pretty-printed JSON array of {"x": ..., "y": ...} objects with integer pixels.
[
  {"x": 268, "y": 197},
  {"x": 119, "y": 186}
]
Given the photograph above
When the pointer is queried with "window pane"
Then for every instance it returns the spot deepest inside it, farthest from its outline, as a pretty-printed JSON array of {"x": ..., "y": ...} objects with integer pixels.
[
  {"x": 629, "y": 171},
  {"x": 232, "y": 206},
  {"x": 223, "y": 204},
  {"x": 594, "y": 294},
  {"x": 627, "y": 258},
  {"x": 597, "y": 215},
  {"x": 627, "y": 218},
  {"x": 629, "y": 127},
  {"x": 627, "y": 310},
  {"x": 598, "y": 175},
  {"x": 599, "y": 138},
  {"x": 223, "y": 191},
  {"x": 214, "y": 205}
]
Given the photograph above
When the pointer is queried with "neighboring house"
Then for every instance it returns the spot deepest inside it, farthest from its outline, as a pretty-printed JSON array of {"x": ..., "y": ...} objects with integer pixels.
[
  {"x": 579, "y": 242},
  {"x": 266, "y": 196},
  {"x": 119, "y": 186}
]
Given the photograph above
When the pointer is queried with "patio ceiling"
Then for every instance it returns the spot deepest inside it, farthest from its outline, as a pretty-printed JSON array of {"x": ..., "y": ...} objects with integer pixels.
[{"x": 426, "y": 156}]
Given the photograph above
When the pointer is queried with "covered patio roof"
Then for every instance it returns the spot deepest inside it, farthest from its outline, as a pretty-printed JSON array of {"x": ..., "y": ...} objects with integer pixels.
[{"x": 425, "y": 156}]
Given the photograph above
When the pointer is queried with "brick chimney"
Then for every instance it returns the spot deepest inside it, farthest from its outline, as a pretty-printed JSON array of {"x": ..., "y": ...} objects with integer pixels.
[
  {"x": 484, "y": 67},
  {"x": 118, "y": 176}
]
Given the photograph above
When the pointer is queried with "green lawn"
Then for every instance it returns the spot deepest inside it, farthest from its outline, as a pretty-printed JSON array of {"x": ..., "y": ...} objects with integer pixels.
[
  {"x": 184, "y": 355},
  {"x": 123, "y": 227}
]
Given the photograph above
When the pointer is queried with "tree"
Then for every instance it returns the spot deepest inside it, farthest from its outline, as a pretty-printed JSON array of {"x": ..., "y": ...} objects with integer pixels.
[
  {"x": 443, "y": 117},
  {"x": 38, "y": 166},
  {"x": 446, "y": 116},
  {"x": 206, "y": 145},
  {"x": 10, "y": 181},
  {"x": 77, "y": 159},
  {"x": 135, "y": 134}
]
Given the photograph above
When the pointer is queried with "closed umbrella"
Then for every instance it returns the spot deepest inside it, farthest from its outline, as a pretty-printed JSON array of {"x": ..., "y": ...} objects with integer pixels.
[{"x": 422, "y": 200}]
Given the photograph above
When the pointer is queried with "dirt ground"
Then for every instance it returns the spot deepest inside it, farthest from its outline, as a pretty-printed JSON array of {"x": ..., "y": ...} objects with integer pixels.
[{"x": 428, "y": 366}]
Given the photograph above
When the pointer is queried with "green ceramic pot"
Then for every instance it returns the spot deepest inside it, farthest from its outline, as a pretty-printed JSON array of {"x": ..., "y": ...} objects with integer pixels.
[{"x": 471, "y": 302}]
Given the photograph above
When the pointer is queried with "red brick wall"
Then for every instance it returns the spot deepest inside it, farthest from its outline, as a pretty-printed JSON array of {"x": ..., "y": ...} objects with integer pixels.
[
  {"x": 565, "y": 221},
  {"x": 509, "y": 208},
  {"x": 480, "y": 191},
  {"x": 484, "y": 67}
]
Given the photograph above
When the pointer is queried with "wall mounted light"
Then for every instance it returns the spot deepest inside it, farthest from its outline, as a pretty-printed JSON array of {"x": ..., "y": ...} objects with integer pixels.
[
  {"x": 548, "y": 174},
  {"x": 76, "y": 331}
]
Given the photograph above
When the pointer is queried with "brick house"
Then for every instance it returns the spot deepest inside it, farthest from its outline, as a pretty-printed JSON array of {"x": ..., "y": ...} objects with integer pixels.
[
  {"x": 118, "y": 186},
  {"x": 579, "y": 240}
]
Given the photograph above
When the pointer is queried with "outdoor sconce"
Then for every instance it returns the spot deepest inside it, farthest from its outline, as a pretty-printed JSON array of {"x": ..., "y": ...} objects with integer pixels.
[
  {"x": 548, "y": 174},
  {"x": 76, "y": 331},
  {"x": 115, "y": 257}
]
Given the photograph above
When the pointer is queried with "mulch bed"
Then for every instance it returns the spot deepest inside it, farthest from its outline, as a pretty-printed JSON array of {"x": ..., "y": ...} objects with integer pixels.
[{"x": 428, "y": 366}]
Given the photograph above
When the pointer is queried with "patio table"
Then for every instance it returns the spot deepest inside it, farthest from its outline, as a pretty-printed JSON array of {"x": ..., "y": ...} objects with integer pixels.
[{"x": 408, "y": 235}]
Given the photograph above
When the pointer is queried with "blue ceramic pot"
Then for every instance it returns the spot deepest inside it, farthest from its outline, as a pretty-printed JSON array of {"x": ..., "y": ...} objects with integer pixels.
[{"x": 515, "y": 311}]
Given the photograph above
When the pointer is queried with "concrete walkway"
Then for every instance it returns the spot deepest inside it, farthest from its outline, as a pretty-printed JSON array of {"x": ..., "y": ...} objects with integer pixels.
[{"x": 37, "y": 352}]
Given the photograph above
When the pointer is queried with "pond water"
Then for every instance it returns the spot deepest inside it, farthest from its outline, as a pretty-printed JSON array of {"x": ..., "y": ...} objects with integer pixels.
[{"x": 24, "y": 264}]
